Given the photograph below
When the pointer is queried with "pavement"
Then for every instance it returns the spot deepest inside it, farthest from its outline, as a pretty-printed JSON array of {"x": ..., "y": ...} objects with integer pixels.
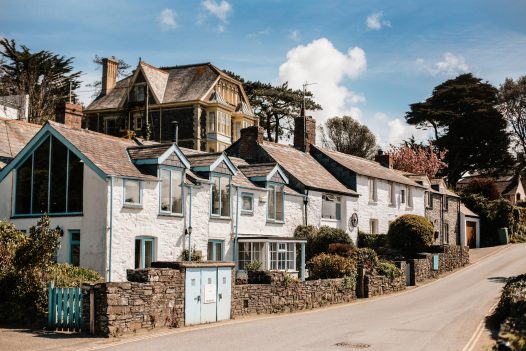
[{"x": 446, "y": 314}]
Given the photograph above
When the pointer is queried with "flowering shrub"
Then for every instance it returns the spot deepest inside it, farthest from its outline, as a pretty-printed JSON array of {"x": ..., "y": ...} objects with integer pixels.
[{"x": 418, "y": 159}]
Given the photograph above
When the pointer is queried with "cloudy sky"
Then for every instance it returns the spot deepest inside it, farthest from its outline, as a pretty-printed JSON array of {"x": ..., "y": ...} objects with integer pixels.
[{"x": 369, "y": 59}]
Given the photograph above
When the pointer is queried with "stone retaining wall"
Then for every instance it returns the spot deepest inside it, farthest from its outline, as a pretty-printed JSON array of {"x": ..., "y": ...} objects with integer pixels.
[
  {"x": 376, "y": 285},
  {"x": 285, "y": 294},
  {"x": 451, "y": 258},
  {"x": 152, "y": 298}
]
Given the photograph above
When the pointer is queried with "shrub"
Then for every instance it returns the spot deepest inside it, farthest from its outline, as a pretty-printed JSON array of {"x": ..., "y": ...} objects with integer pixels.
[
  {"x": 309, "y": 233},
  {"x": 365, "y": 256},
  {"x": 326, "y": 236},
  {"x": 65, "y": 275},
  {"x": 344, "y": 250},
  {"x": 410, "y": 234},
  {"x": 372, "y": 241},
  {"x": 388, "y": 269},
  {"x": 253, "y": 266},
  {"x": 197, "y": 256},
  {"x": 484, "y": 187},
  {"x": 326, "y": 266}
]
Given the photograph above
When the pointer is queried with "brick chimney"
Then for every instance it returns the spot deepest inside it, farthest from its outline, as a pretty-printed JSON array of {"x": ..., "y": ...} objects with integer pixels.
[
  {"x": 304, "y": 137},
  {"x": 385, "y": 160},
  {"x": 109, "y": 75},
  {"x": 69, "y": 114},
  {"x": 250, "y": 138}
]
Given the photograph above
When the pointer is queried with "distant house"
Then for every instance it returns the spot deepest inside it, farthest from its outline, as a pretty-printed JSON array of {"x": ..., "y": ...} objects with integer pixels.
[
  {"x": 510, "y": 187},
  {"x": 209, "y": 106},
  {"x": 14, "y": 107}
]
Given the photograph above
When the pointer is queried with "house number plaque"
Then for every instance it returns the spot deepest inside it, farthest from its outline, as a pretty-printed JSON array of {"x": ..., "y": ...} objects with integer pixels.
[{"x": 353, "y": 221}]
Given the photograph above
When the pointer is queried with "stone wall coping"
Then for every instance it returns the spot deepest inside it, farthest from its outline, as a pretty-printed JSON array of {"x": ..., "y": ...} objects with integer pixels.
[{"x": 177, "y": 265}]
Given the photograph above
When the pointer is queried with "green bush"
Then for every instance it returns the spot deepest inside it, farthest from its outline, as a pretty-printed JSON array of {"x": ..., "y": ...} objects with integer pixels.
[
  {"x": 326, "y": 266},
  {"x": 388, "y": 269},
  {"x": 253, "y": 266},
  {"x": 326, "y": 236},
  {"x": 307, "y": 232},
  {"x": 372, "y": 241},
  {"x": 411, "y": 234},
  {"x": 65, "y": 275},
  {"x": 365, "y": 256},
  {"x": 197, "y": 256}
]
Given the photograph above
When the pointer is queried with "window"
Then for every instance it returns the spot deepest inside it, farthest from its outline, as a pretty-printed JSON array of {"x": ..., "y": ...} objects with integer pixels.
[
  {"x": 50, "y": 180},
  {"x": 518, "y": 197},
  {"x": 445, "y": 203},
  {"x": 111, "y": 125},
  {"x": 215, "y": 250},
  {"x": 282, "y": 256},
  {"x": 211, "y": 122},
  {"x": 223, "y": 123},
  {"x": 140, "y": 92},
  {"x": 372, "y": 190},
  {"x": 144, "y": 252},
  {"x": 446, "y": 232},
  {"x": 275, "y": 203},
  {"x": 132, "y": 192},
  {"x": 402, "y": 196},
  {"x": 247, "y": 203},
  {"x": 220, "y": 196},
  {"x": 74, "y": 247},
  {"x": 250, "y": 252},
  {"x": 171, "y": 190},
  {"x": 137, "y": 121},
  {"x": 409, "y": 193},
  {"x": 331, "y": 206},
  {"x": 373, "y": 226},
  {"x": 428, "y": 197},
  {"x": 391, "y": 193}
]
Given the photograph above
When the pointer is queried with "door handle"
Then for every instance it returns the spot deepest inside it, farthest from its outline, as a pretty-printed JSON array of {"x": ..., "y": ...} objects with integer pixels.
[{"x": 198, "y": 298}]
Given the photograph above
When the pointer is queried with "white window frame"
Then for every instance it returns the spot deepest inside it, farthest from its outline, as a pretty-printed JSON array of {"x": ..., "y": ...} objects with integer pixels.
[
  {"x": 332, "y": 199},
  {"x": 373, "y": 191},
  {"x": 272, "y": 192},
  {"x": 282, "y": 248},
  {"x": 170, "y": 210},
  {"x": 409, "y": 193},
  {"x": 402, "y": 196},
  {"x": 142, "y": 251},
  {"x": 131, "y": 204},
  {"x": 221, "y": 177},
  {"x": 391, "y": 194},
  {"x": 247, "y": 195},
  {"x": 373, "y": 226}
]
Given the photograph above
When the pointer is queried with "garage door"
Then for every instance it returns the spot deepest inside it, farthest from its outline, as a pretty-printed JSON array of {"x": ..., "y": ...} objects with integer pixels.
[{"x": 471, "y": 233}]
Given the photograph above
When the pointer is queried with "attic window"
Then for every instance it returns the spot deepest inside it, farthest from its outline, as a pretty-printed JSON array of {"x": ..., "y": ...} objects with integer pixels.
[{"x": 140, "y": 92}]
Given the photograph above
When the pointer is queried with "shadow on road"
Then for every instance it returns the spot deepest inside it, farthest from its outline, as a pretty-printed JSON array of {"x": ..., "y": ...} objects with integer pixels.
[
  {"x": 49, "y": 334},
  {"x": 501, "y": 280}
]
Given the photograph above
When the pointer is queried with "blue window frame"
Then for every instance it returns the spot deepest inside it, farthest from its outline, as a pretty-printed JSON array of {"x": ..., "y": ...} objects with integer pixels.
[
  {"x": 220, "y": 198},
  {"x": 171, "y": 190},
  {"x": 215, "y": 250},
  {"x": 132, "y": 192},
  {"x": 144, "y": 251},
  {"x": 74, "y": 247},
  {"x": 275, "y": 203},
  {"x": 247, "y": 203}
]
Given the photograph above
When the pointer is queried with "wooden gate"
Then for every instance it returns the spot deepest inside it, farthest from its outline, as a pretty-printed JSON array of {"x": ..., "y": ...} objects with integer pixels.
[{"x": 64, "y": 308}]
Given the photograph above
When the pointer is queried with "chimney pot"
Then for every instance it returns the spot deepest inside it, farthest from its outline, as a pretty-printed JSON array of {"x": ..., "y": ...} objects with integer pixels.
[
  {"x": 109, "y": 75},
  {"x": 385, "y": 160}
]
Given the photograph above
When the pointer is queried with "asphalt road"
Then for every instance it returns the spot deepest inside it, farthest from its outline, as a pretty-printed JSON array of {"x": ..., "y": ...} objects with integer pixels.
[{"x": 440, "y": 316}]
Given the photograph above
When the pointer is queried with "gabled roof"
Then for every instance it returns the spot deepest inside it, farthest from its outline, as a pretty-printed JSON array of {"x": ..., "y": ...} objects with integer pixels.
[
  {"x": 155, "y": 154},
  {"x": 215, "y": 97},
  {"x": 263, "y": 171},
  {"x": 156, "y": 79},
  {"x": 305, "y": 168},
  {"x": 367, "y": 168},
  {"x": 209, "y": 161},
  {"x": 14, "y": 135},
  {"x": 466, "y": 211},
  {"x": 114, "y": 98}
]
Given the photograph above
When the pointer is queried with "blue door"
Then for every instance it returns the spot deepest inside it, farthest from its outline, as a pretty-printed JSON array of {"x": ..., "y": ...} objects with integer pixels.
[
  {"x": 209, "y": 295},
  {"x": 192, "y": 291},
  {"x": 224, "y": 292}
]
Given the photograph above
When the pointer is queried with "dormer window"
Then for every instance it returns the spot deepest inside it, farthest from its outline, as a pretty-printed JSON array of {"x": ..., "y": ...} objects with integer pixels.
[
  {"x": 140, "y": 92},
  {"x": 220, "y": 196},
  {"x": 275, "y": 209},
  {"x": 171, "y": 191}
]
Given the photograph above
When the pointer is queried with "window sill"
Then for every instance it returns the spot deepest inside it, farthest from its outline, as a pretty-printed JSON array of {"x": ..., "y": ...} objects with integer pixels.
[
  {"x": 275, "y": 222},
  {"x": 330, "y": 220},
  {"x": 167, "y": 214},
  {"x": 221, "y": 218},
  {"x": 132, "y": 206},
  {"x": 247, "y": 213},
  {"x": 73, "y": 214},
  {"x": 392, "y": 205},
  {"x": 372, "y": 202}
]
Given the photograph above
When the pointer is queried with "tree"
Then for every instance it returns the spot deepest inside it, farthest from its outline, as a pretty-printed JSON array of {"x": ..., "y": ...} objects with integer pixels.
[
  {"x": 418, "y": 158},
  {"x": 486, "y": 187},
  {"x": 344, "y": 134},
  {"x": 276, "y": 106},
  {"x": 46, "y": 77},
  {"x": 463, "y": 114},
  {"x": 122, "y": 71},
  {"x": 512, "y": 105}
]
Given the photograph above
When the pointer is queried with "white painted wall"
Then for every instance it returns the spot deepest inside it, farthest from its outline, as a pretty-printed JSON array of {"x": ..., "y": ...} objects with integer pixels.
[{"x": 381, "y": 210}]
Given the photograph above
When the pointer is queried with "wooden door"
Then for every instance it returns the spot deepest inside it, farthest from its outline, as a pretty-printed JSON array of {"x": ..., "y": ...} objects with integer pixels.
[{"x": 471, "y": 233}]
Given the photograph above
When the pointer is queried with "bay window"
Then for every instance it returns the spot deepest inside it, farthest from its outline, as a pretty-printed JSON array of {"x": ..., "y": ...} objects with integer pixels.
[
  {"x": 171, "y": 190},
  {"x": 50, "y": 180},
  {"x": 275, "y": 208},
  {"x": 331, "y": 206},
  {"x": 220, "y": 199},
  {"x": 251, "y": 252}
]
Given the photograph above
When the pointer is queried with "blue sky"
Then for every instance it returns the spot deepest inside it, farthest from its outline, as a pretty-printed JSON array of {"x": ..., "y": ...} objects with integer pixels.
[{"x": 369, "y": 59}]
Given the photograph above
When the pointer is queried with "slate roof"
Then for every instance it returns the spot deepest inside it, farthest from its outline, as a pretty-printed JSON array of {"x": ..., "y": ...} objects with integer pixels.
[
  {"x": 14, "y": 135},
  {"x": 204, "y": 159},
  {"x": 157, "y": 79},
  {"x": 466, "y": 211},
  {"x": 113, "y": 98},
  {"x": 257, "y": 169},
  {"x": 147, "y": 152},
  {"x": 108, "y": 153},
  {"x": 443, "y": 189},
  {"x": 367, "y": 168},
  {"x": 506, "y": 185},
  {"x": 241, "y": 178},
  {"x": 305, "y": 168}
]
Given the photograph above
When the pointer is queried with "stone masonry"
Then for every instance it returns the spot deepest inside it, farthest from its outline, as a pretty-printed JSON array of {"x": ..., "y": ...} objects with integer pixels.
[
  {"x": 451, "y": 258},
  {"x": 376, "y": 285}
]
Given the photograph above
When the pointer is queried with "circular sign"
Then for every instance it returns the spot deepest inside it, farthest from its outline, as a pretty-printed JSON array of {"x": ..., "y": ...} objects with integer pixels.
[{"x": 353, "y": 221}]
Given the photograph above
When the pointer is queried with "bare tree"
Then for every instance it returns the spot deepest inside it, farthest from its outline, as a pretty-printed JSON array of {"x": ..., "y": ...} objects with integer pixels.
[{"x": 122, "y": 71}]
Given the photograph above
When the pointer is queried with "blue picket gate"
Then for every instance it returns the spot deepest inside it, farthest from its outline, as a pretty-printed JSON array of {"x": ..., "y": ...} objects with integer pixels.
[{"x": 64, "y": 308}]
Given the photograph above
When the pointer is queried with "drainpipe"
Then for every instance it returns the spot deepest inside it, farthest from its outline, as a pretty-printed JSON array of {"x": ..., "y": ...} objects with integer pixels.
[
  {"x": 190, "y": 228},
  {"x": 305, "y": 203},
  {"x": 111, "y": 227},
  {"x": 234, "y": 251}
]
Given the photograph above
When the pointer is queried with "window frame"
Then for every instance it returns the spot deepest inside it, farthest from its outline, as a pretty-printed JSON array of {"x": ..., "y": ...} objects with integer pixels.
[
  {"x": 371, "y": 222},
  {"x": 337, "y": 207},
  {"x": 136, "y": 92},
  {"x": 289, "y": 265},
  {"x": 72, "y": 244},
  {"x": 170, "y": 211},
  {"x": 214, "y": 242},
  {"x": 31, "y": 213},
  {"x": 373, "y": 195},
  {"x": 409, "y": 194},
  {"x": 132, "y": 204},
  {"x": 251, "y": 196},
  {"x": 402, "y": 196},
  {"x": 220, "y": 176},
  {"x": 142, "y": 252},
  {"x": 391, "y": 190},
  {"x": 445, "y": 203},
  {"x": 445, "y": 232},
  {"x": 137, "y": 117},
  {"x": 271, "y": 189}
]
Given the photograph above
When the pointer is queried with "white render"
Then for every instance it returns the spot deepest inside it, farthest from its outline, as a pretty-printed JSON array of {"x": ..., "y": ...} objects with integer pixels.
[{"x": 381, "y": 210}]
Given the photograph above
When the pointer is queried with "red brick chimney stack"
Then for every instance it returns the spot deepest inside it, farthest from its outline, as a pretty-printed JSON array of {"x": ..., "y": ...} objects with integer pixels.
[
  {"x": 385, "y": 160},
  {"x": 250, "y": 138},
  {"x": 109, "y": 75},
  {"x": 69, "y": 114},
  {"x": 304, "y": 132}
]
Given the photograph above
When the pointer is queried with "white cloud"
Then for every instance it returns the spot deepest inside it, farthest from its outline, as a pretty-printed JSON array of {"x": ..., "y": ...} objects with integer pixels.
[
  {"x": 449, "y": 65},
  {"x": 321, "y": 63},
  {"x": 220, "y": 10},
  {"x": 375, "y": 21},
  {"x": 220, "y": 28},
  {"x": 167, "y": 19},
  {"x": 399, "y": 131},
  {"x": 295, "y": 35}
]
